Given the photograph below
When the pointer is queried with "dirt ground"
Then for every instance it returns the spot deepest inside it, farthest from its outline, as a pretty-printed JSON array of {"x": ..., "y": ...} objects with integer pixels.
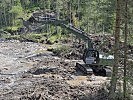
[{"x": 29, "y": 72}]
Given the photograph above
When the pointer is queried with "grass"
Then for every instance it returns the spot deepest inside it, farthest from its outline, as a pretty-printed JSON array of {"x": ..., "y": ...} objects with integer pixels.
[
  {"x": 53, "y": 38},
  {"x": 26, "y": 37},
  {"x": 39, "y": 38},
  {"x": 33, "y": 37},
  {"x": 12, "y": 37},
  {"x": 61, "y": 50}
]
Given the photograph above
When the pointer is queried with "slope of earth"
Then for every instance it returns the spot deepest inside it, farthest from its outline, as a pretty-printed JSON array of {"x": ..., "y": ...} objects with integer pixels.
[{"x": 29, "y": 72}]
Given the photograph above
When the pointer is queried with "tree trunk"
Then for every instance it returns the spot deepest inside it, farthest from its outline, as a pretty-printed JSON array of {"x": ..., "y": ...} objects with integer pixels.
[
  {"x": 5, "y": 20},
  {"x": 0, "y": 19},
  {"x": 48, "y": 7},
  {"x": 57, "y": 15},
  {"x": 125, "y": 49},
  {"x": 12, "y": 15},
  {"x": 116, "y": 51}
]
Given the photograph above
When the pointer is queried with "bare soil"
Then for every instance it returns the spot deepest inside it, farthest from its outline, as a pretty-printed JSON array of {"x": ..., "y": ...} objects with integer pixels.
[{"x": 29, "y": 72}]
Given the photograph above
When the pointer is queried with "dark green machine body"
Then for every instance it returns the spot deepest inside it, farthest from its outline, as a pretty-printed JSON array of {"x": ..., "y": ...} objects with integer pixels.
[{"x": 90, "y": 56}]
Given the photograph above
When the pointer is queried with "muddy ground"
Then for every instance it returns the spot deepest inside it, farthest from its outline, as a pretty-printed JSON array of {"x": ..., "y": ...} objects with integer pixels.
[{"x": 29, "y": 72}]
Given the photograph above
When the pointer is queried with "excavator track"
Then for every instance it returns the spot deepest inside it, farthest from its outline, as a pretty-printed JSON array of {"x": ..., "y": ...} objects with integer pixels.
[
  {"x": 97, "y": 70},
  {"x": 84, "y": 68}
]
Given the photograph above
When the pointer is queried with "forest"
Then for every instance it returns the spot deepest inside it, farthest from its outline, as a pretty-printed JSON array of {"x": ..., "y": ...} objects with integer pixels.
[{"x": 33, "y": 32}]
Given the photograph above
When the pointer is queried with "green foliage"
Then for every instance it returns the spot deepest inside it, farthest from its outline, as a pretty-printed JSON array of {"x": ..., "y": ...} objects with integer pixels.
[
  {"x": 14, "y": 28},
  {"x": 61, "y": 50},
  {"x": 53, "y": 38},
  {"x": 4, "y": 34},
  {"x": 25, "y": 3},
  {"x": 39, "y": 38},
  {"x": 18, "y": 10},
  {"x": 11, "y": 30},
  {"x": 130, "y": 40},
  {"x": 90, "y": 15},
  {"x": 12, "y": 37},
  {"x": 32, "y": 37}
]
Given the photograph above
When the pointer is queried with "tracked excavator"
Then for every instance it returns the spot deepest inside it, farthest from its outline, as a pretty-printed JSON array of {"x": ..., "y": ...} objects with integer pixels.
[{"x": 93, "y": 62}]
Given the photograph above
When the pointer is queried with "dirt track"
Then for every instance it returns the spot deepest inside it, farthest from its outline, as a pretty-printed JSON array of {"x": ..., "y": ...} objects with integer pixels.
[{"x": 29, "y": 72}]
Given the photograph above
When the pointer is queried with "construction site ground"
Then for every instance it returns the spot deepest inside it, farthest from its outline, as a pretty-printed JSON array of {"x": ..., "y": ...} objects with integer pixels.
[{"x": 29, "y": 72}]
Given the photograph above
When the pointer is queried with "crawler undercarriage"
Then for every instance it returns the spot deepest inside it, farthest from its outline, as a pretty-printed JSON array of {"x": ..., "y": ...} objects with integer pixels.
[{"x": 95, "y": 69}]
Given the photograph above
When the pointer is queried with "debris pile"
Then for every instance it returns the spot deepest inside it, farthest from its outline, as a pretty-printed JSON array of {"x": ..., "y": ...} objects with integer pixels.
[{"x": 50, "y": 88}]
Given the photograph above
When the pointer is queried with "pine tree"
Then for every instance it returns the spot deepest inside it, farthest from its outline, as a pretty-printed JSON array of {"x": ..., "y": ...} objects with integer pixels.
[{"x": 116, "y": 51}]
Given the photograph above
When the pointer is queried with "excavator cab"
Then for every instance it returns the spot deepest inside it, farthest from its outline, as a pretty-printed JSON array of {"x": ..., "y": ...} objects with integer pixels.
[{"x": 91, "y": 56}]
